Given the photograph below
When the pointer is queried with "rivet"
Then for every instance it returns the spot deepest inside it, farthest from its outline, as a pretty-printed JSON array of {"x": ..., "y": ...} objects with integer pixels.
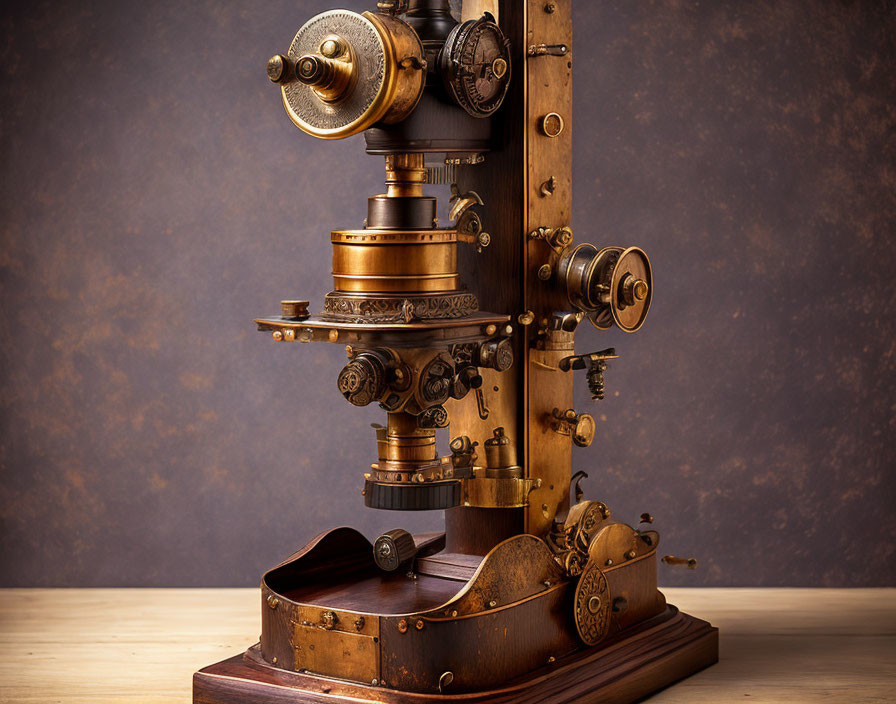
[
  {"x": 289, "y": 335},
  {"x": 274, "y": 660},
  {"x": 491, "y": 330},
  {"x": 630, "y": 554},
  {"x": 329, "y": 48},
  {"x": 544, "y": 272},
  {"x": 551, "y": 659},
  {"x": 550, "y": 7},
  {"x": 273, "y": 601},
  {"x": 277, "y": 335},
  {"x": 374, "y": 681},
  {"x": 334, "y": 335},
  {"x": 419, "y": 624},
  {"x": 508, "y": 330},
  {"x": 402, "y": 626},
  {"x": 492, "y": 604}
]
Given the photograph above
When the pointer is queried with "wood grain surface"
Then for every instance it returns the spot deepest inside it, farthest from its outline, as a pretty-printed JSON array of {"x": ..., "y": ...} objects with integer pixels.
[{"x": 127, "y": 645}]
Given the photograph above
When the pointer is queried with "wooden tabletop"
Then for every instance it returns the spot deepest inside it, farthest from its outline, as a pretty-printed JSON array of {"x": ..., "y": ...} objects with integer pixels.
[{"x": 129, "y": 645}]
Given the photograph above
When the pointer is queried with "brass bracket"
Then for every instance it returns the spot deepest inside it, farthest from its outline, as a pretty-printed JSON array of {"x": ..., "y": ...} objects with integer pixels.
[
  {"x": 558, "y": 238},
  {"x": 580, "y": 426},
  {"x": 547, "y": 50},
  {"x": 468, "y": 224}
]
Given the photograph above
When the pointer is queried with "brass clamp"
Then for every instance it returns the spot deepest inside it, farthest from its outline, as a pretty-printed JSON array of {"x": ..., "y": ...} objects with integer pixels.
[
  {"x": 467, "y": 223},
  {"x": 595, "y": 364}
]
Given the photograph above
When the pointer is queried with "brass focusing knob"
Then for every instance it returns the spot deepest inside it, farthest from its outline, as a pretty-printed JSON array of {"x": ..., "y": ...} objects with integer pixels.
[
  {"x": 345, "y": 72},
  {"x": 611, "y": 285},
  {"x": 363, "y": 379},
  {"x": 394, "y": 549},
  {"x": 496, "y": 354}
]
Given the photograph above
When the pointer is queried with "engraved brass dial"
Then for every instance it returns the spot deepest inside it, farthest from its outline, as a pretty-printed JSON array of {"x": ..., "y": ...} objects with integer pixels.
[
  {"x": 592, "y": 605},
  {"x": 346, "y": 71},
  {"x": 475, "y": 65}
]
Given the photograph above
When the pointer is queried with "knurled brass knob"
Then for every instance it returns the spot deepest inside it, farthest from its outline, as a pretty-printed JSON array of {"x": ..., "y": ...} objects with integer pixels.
[{"x": 294, "y": 310}]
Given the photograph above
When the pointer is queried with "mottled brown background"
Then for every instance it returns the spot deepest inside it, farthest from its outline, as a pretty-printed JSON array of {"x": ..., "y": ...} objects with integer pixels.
[{"x": 155, "y": 198}]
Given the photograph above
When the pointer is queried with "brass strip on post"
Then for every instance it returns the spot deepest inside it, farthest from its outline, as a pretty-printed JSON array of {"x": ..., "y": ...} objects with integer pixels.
[{"x": 546, "y": 455}]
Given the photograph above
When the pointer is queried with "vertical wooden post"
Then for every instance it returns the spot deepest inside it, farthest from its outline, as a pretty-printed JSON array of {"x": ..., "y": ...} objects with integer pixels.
[{"x": 504, "y": 276}]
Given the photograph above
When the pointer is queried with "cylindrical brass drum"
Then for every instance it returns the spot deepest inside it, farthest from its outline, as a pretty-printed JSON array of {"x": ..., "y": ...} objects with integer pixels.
[
  {"x": 405, "y": 447},
  {"x": 403, "y": 261}
]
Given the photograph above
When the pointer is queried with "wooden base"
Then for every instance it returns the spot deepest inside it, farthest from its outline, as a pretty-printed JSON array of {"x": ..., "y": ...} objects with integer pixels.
[{"x": 643, "y": 660}]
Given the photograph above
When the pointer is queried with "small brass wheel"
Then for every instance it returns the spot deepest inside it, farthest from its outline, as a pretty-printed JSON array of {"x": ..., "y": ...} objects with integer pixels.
[{"x": 592, "y": 605}]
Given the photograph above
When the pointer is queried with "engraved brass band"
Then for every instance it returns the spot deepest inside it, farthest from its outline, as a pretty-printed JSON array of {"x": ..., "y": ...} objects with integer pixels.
[{"x": 395, "y": 261}]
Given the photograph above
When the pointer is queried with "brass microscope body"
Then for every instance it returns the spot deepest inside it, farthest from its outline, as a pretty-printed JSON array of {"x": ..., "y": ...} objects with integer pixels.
[{"x": 523, "y": 578}]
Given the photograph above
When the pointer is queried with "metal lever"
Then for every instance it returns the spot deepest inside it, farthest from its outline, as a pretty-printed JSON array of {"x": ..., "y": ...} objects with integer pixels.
[
  {"x": 595, "y": 364},
  {"x": 548, "y": 50}
]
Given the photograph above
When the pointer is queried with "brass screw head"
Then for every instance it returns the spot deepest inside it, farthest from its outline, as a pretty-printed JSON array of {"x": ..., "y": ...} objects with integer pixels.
[
  {"x": 402, "y": 626},
  {"x": 544, "y": 272},
  {"x": 491, "y": 329},
  {"x": 330, "y": 48},
  {"x": 289, "y": 335},
  {"x": 550, "y": 7},
  {"x": 639, "y": 289},
  {"x": 333, "y": 335},
  {"x": 277, "y": 335},
  {"x": 277, "y": 67},
  {"x": 419, "y": 625}
]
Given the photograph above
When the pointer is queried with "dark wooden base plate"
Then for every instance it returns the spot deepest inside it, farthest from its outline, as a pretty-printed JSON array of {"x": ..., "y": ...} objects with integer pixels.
[{"x": 639, "y": 662}]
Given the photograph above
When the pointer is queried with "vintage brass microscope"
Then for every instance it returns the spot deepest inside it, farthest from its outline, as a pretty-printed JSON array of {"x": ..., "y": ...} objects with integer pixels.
[{"x": 526, "y": 596}]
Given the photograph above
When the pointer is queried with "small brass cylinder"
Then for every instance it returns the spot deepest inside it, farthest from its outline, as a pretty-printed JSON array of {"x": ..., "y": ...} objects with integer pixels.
[
  {"x": 405, "y": 175},
  {"x": 330, "y": 78},
  {"x": 406, "y": 447}
]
